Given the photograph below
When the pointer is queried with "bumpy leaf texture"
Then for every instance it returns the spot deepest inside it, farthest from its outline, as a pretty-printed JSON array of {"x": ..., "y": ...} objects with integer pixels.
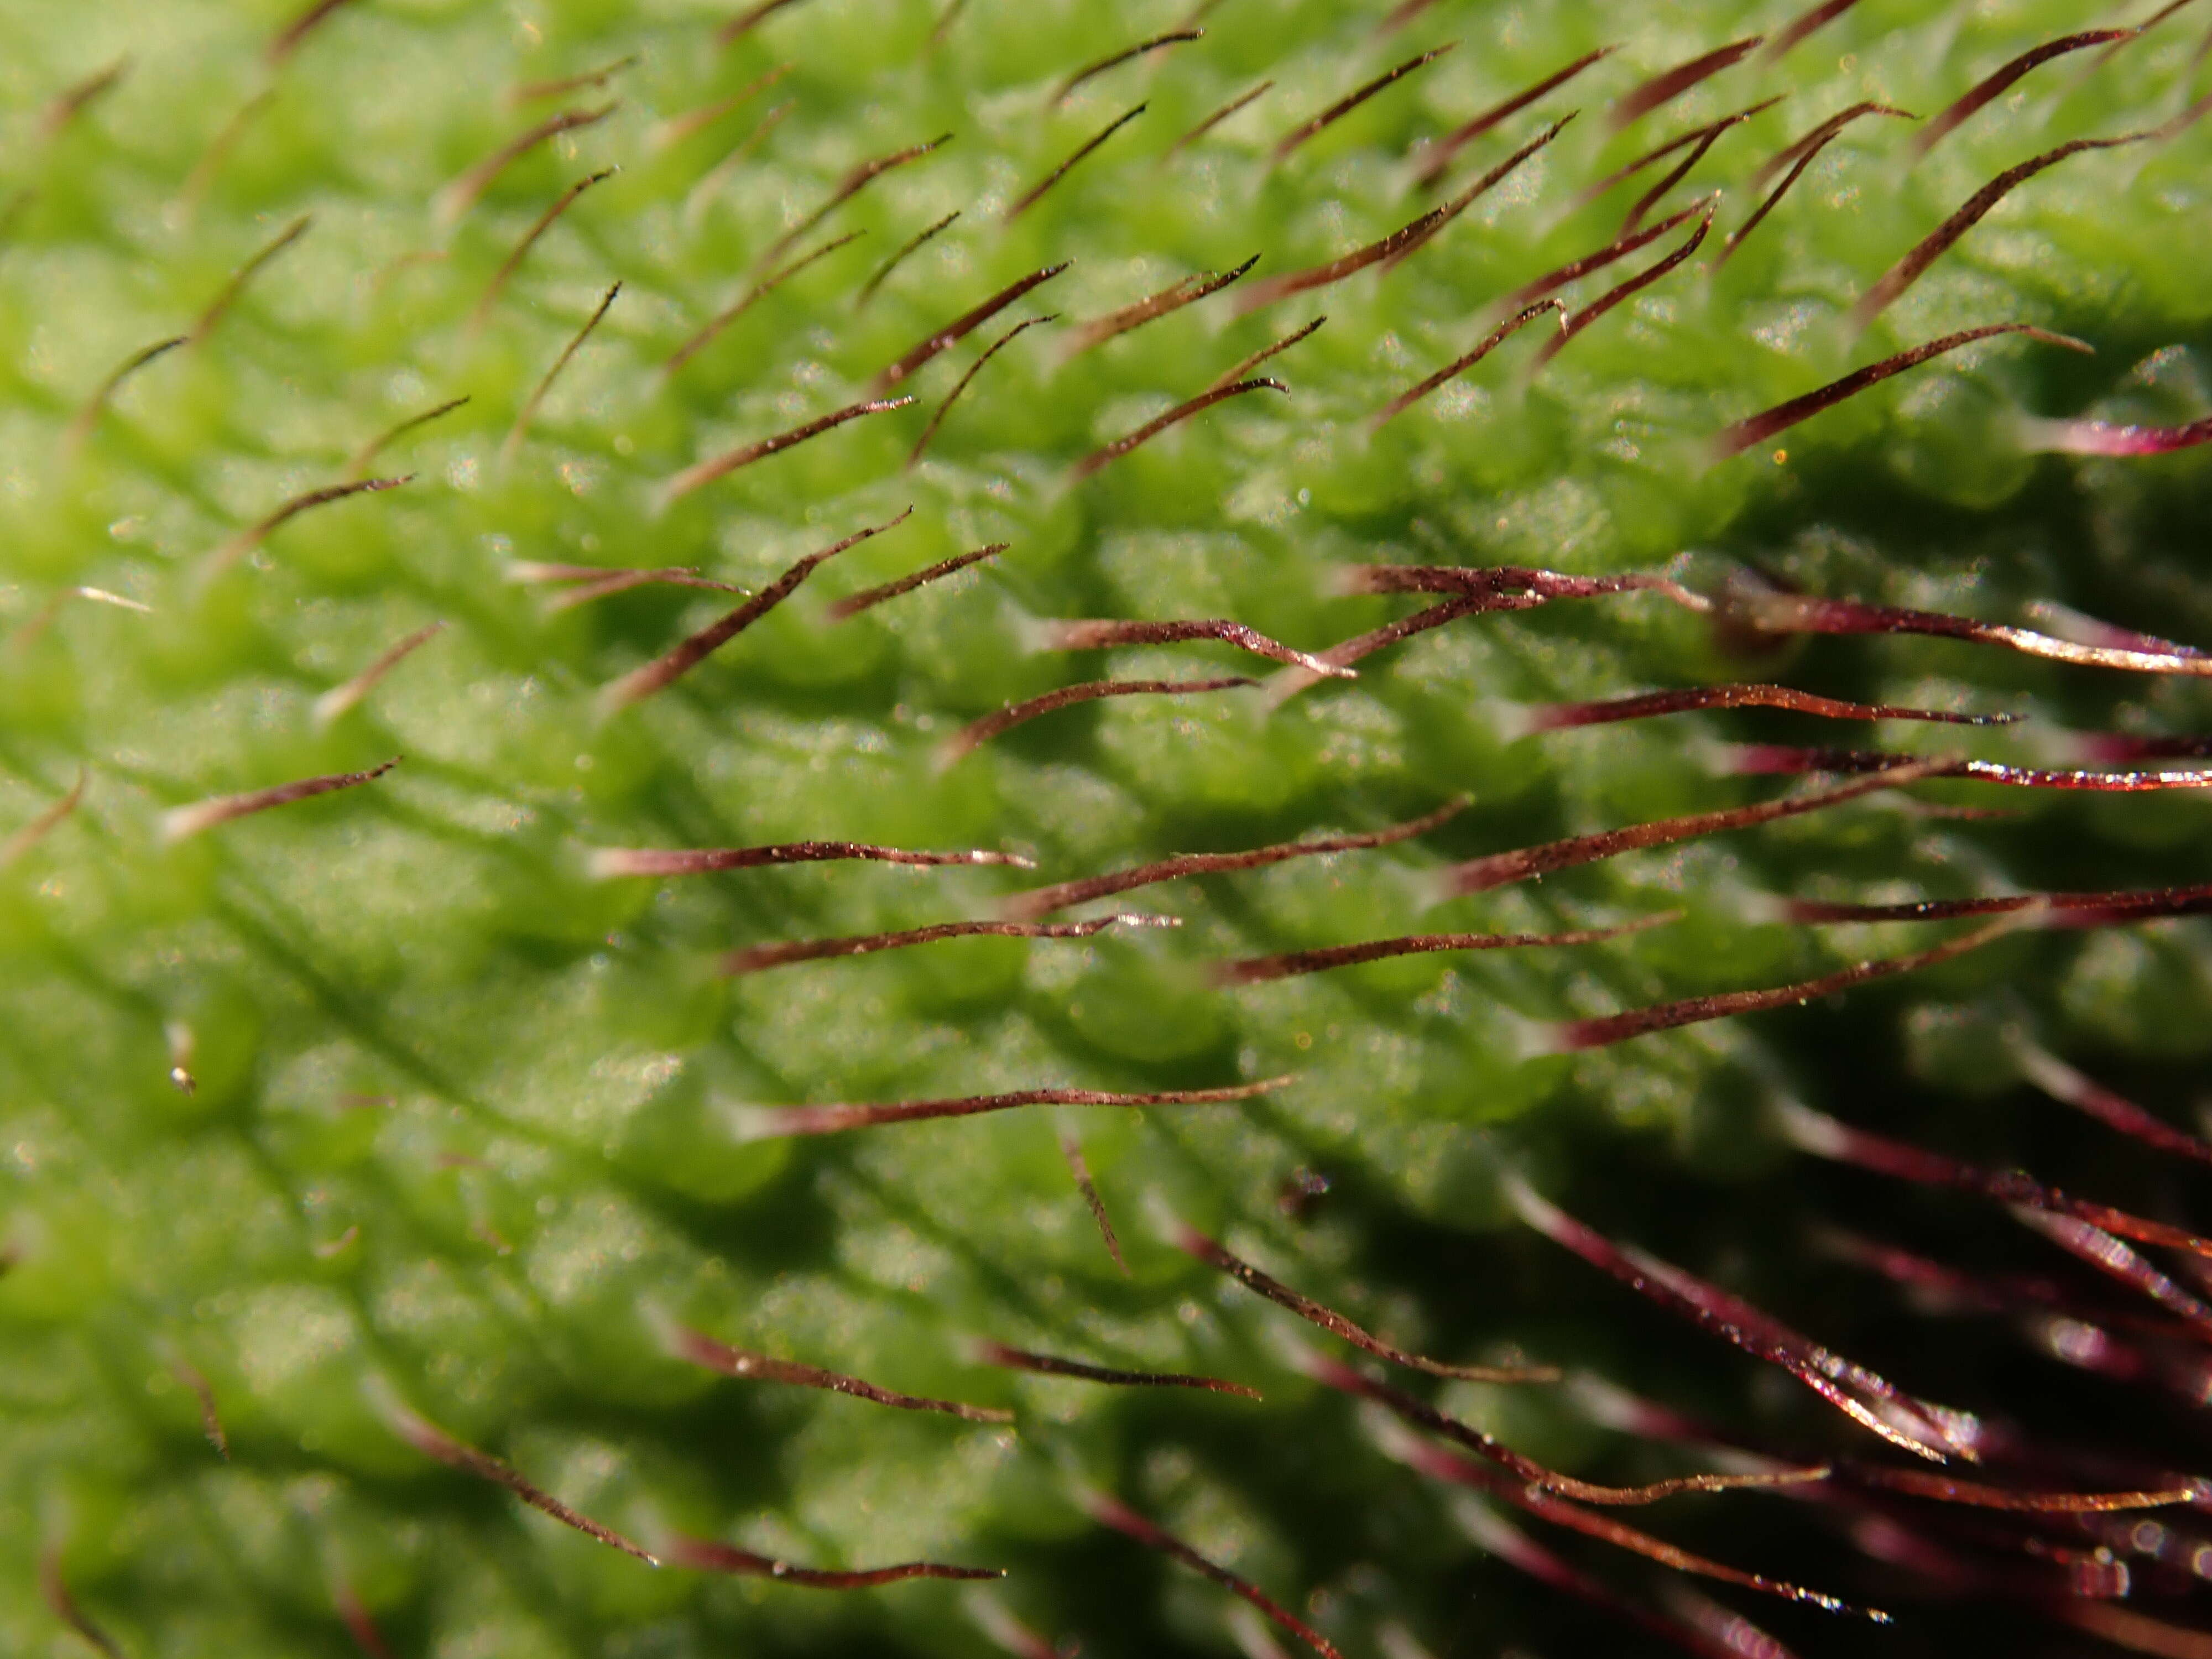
[{"x": 406, "y": 1224}]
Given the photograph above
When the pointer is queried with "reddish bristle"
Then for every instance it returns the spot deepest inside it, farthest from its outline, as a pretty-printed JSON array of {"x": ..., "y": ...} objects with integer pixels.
[
  {"x": 1439, "y": 153},
  {"x": 1193, "y": 1242},
  {"x": 980, "y": 732},
  {"x": 1106, "y": 456},
  {"x": 1569, "y": 1035},
  {"x": 1110, "y": 1511},
  {"x": 835, "y": 1120},
  {"x": 1254, "y": 970},
  {"x": 964, "y": 324},
  {"x": 707, "y": 1555},
  {"x": 1030, "y": 198},
  {"x": 1750, "y": 433},
  {"x": 1994, "y": 86},
  {"x": 641, "y": 683},
  {"x": 1932, "y": 1432},
  {"x": 868, "y": 599},
  {"x": 458, "y": 198},
  {"x": 1970, "y": 213},
  {"x": 1352, "y": 100},
  {"x": 699, "y": 1349},
  {"x": 759, "y": 957},
  {"x": 1670, "y": 84},
  {"x": 1043, "y": 901}
]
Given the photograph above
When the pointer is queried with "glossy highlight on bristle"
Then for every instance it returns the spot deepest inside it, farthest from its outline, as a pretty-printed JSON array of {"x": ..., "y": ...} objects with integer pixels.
[
  {"x": 1784, "y": 760},
  {"x": 2076, "y": 909},
  {"x": 1490, "y": 1533},
  {"x": 757, "y": 958},
  {"x": 707, "y": 1555},
  {"x": 697, "y": 1348},
  {"x": 1934, "y": 1432},
  {"x": 1229, "y": 376},
  {"x": 1511, "y": 583},
  {"x": 1405, "y": 1407},
  {"x": 609, "y": 863},
  {"x": 2100, "y": 438},
  {"x": 1794, "y": 613},
  {"x": 2105, "y": 1251},
  {"x": 1106, "y": 634}
]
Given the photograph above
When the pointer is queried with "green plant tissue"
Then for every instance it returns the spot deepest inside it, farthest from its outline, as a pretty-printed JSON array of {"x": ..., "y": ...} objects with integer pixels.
[{"x": 384, "y": 1123}]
